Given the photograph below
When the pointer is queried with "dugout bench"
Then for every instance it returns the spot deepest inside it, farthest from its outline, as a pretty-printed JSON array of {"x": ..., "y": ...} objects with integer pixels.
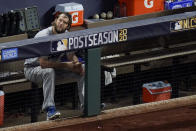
[
  {"x": 18, "y": 83},
  {"x": 12, "y": 80}
]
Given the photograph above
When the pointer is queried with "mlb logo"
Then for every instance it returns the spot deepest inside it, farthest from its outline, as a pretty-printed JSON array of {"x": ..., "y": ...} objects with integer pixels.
[
  {"x": 60, "y": 45},
  {"x": 76, "y": 10},
  {"x": 176, "y": 26}
]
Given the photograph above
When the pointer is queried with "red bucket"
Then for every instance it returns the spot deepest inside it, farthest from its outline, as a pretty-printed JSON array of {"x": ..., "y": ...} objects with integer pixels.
[{"x": 1, "y": 107}]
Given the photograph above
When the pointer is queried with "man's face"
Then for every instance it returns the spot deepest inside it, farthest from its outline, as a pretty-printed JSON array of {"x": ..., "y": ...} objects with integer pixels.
[{"x": 61, "y": 23}]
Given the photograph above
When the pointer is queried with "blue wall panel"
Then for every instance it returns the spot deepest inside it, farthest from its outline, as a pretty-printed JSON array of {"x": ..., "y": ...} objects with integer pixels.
[{"x": 46, "y": 7}]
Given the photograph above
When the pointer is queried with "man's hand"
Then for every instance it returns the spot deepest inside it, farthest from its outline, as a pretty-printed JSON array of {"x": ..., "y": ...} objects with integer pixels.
[
  {"x": 77, "y": 67},
  {"x": 74, "y": 66},
  {"x": 44, "y": 63}
]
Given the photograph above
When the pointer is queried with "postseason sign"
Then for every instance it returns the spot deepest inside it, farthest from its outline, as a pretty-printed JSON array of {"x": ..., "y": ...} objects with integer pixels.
[{"x": 91, "y": 40}]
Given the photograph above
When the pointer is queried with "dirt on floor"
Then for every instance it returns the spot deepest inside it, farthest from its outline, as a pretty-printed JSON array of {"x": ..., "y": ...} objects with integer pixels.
[{"x": 177, "y": 119}]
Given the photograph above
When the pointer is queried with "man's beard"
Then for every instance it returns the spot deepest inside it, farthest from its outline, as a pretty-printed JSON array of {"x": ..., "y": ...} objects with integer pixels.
[{"x": 59, "y": 31}]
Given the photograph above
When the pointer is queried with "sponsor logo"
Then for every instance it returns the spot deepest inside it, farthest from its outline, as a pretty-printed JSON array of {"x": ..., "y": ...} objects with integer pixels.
[
  {"x": 75, "y": 17},
  {"x": 91, "y": 40},
  {"x": 11, "y": 53},
  {"x": 185, "y": 24},
  {"x": 148, "y": 3}
]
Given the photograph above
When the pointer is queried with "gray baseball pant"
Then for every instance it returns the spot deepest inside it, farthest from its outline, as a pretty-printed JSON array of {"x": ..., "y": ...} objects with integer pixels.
[{"x": 47, "y": 77}]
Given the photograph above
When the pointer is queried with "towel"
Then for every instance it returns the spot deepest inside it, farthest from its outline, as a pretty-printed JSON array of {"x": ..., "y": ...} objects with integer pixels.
[{"x": 109, "y": 76}]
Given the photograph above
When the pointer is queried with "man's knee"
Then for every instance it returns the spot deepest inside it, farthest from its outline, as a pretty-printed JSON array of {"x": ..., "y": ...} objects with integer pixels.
[{"x": 49, "y": 72}]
